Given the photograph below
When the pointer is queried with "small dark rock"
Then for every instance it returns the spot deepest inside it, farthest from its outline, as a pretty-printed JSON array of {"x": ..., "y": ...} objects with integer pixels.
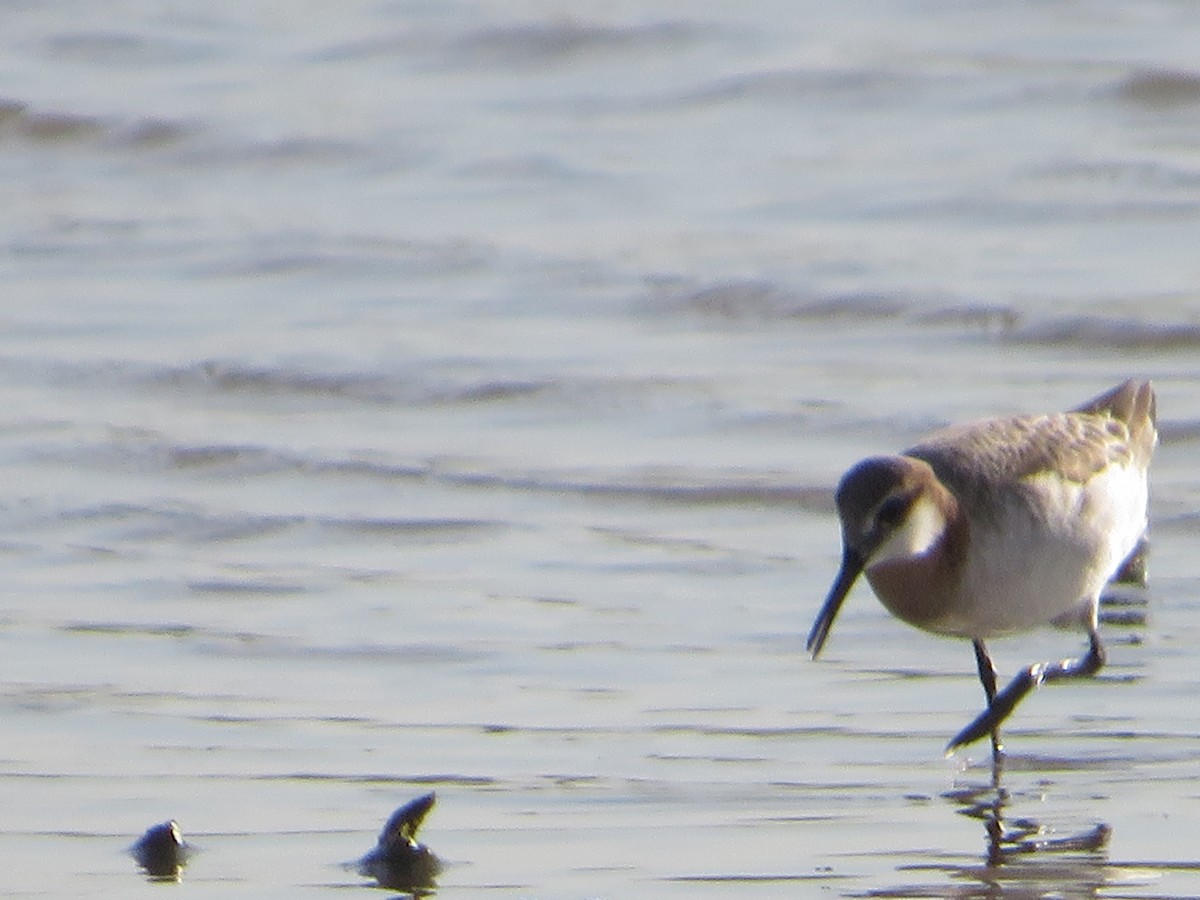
[
  {"x": 398, "y": 861},
  {"x": 161, "y": 851}
]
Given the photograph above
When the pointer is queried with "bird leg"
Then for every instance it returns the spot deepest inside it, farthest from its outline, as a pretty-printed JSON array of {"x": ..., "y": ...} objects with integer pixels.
[
  {"x": 1003, "y": 703},
  {"x": 987, "y": 675}
]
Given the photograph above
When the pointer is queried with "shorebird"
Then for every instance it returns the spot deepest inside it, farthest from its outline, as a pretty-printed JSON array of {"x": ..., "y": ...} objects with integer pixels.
[{"x": 1001, "y": 526}]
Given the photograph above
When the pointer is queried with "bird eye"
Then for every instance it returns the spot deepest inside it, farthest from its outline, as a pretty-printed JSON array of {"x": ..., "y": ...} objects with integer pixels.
[{"x": 893, "y": 510}]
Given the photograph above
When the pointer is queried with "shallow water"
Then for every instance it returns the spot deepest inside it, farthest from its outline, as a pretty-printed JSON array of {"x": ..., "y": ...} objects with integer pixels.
[{"x": 406, "y": 396}]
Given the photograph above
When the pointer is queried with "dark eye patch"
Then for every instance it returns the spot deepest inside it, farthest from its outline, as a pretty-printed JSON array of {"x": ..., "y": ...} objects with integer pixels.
[{"x": 893, "y": 510}]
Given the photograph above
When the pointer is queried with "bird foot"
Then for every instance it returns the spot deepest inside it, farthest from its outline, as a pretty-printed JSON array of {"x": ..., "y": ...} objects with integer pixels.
[{"x": 988, "y": 721}]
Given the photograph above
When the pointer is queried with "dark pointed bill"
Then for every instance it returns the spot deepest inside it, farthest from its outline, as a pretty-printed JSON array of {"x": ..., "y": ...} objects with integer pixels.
[{"x": 852, "y": 566}]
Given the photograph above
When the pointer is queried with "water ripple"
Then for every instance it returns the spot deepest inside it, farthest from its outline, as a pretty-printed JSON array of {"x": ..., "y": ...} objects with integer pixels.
[
  {"x": 23, "y": 122},
  {"x": 1159, "y": 88},
  {"x": 1107, "y": 333}
]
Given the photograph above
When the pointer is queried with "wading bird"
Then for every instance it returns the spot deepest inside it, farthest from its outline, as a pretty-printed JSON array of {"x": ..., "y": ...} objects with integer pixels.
[{"x": 1001, "y": 526}]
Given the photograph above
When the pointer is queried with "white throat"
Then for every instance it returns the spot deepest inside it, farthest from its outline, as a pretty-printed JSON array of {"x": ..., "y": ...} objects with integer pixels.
[{"x": 919, "y": 531}]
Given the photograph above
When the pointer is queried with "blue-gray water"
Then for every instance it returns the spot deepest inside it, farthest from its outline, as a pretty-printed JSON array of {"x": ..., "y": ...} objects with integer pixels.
[{"x": 402, "y": 396}]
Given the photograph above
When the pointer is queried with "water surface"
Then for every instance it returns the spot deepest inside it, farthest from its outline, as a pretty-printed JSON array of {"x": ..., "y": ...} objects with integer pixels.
[{"x": 404, "y": 396}]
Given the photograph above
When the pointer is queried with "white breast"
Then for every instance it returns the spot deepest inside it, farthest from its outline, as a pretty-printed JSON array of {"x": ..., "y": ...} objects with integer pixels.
[{"x": 1047, "y": 554}]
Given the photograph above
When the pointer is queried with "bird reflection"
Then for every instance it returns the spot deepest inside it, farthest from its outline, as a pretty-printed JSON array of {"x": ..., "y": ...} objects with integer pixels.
[
  {"x": 1011, "y": 838},
  {"x": 1022, "y": 857},
  {"x": 398, "y": 861}
]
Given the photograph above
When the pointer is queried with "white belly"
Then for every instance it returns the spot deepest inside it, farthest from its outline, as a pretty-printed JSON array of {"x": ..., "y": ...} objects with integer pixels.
[{"x": 1047, "y": 560}]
